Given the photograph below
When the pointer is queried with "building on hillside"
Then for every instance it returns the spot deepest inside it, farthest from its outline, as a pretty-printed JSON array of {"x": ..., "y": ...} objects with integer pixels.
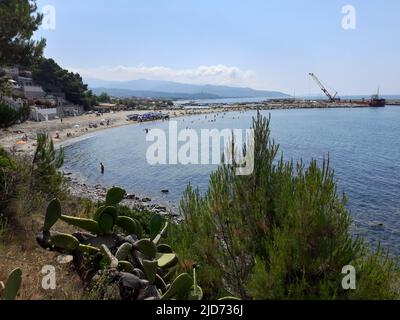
[
  {"x": 25, "y": 81},
  {"x": 28, "y": 86},
  {"x": 69, "y": 110},
  {"x": 10, "y": 72},
  {"x": 106, "y": 107},
  {"x": 41, "y": 114},
  {"x": 33, "y": 92}
]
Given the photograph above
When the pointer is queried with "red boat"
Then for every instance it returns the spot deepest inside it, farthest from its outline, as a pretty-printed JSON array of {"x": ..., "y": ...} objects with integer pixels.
[{"x": 377, "y": 101}]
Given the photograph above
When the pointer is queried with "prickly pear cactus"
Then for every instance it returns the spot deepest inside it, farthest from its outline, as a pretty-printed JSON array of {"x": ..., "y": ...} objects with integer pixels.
[
  {"x": 12, "y": 285},
  {"x": 134, "y": 262}
]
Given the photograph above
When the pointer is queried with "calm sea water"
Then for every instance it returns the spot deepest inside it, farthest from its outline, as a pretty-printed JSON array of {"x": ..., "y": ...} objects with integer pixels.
[{"x": 363, "y": 145}]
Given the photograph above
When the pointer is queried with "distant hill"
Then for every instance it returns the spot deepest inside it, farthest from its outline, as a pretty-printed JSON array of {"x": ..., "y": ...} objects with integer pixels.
[
  {"x": 175, "y": 90},
  {"x": 123, "y": 93}
]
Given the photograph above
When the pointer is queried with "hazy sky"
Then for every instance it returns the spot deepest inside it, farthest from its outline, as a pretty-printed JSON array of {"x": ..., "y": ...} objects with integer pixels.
[{"x": 265, "y": 44}]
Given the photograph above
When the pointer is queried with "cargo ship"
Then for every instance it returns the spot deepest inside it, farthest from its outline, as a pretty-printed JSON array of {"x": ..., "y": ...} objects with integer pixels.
[{"x": 377, "y": 101}]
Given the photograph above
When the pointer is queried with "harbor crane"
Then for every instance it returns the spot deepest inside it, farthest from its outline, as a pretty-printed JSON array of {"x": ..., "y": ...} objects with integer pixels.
[{"x": 331, "y": 97}]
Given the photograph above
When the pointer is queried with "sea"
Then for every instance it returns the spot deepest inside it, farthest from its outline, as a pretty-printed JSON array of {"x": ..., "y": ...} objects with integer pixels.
[{"x": 363, "y": 145}]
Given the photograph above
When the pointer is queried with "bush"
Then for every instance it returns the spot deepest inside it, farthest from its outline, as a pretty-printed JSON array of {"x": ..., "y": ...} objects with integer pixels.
[
  {"x": 45, "y": 165},
  {"x": 280, "y": 233},
  {"x": 141, "y": 216},
  {"x": 9, "y": 179},
  {"x": 10, "y": 116},
  {"x": 26, "y": 184}
]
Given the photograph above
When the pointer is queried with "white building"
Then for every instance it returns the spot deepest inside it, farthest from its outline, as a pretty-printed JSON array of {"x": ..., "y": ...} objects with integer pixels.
[
  {"x": 33, "y": 92},
  {"x": 38, "y": 114},
  {"x": 69, "y": 110}
]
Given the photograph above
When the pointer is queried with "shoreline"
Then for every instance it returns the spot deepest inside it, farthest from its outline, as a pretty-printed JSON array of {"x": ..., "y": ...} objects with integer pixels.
[
  {"x": 97, "y": 193},
  {"x": 77, "y": 185},
  {"x": 71, "y": 129}
]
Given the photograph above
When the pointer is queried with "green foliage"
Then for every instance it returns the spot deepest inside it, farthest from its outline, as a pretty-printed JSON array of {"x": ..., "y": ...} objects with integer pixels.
[
  {"x": 130, "y": 225},
  {"x": 123, "y": 251},
  {"x": 53, "y": 78},
  {"x": 147, "y": 247},
  {"x": 180, "y": 287},
  {"x": 150, "y": 270},
  {"x": 65, "y": 242},
  {"x": 84, "y": 224},
  {"x": 53, "y": 213},
  {"x": 107, "y": 219},
  {"x": 45, "y": 164},
  {"x": 115, "y": 196},
  {"x": 18, "y": 21},
  {"x": 12, "y": 285},
  {"x": 8, "y": 179},
  {"x": 114, "y": 256},
  {"x": 25, "y": 185},
  {"x": 164, "y": 248},
  {"x": 103, "y": 98},
  {"x": 10, "y": 116},
  {"x": 156, "y": 224},
  {"x": 167, "y": 260},
  {"x": 141, "y": 216},
  {"x": 375, "y": 278},
  {"x": 280, "y": 233},
  {"x": 196, "y": 293}
]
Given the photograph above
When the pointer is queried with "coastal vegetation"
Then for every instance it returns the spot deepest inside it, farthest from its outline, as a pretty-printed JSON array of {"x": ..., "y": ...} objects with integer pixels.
[
  {"x": 10, "y": 116},
  {"x": 55, "y": 80},
  {"x": 116, "y": 258},
  {"x": 280, "y": 233},
  {"x": 19, "y": 19},
  {"x": 12, "y": 285},
  {"x": 27, "y": 184}
]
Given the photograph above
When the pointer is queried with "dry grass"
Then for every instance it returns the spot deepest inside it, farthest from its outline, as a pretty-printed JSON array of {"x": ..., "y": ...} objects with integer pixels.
[{"x": 18, "y": 248}]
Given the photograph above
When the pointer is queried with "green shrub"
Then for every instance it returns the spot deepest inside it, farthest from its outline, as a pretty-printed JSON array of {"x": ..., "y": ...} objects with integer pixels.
[
  {"x": 9, "y": 179},
  {"x": 10, "y": 116},
  {"x": 45, "y": 165},
  {"x": 115, "y": 258},
  {"x": 141, "y": 216},
  {"x": 279, "y": 233},
  {"x": 26, "y": 184}
]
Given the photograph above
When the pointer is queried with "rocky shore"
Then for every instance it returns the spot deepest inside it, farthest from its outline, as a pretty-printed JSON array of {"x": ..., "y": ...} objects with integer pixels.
[{"x": 97, "y": 193}]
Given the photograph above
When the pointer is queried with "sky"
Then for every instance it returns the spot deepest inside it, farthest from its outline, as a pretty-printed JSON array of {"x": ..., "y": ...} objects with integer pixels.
[{"x": 263, "y": 44}]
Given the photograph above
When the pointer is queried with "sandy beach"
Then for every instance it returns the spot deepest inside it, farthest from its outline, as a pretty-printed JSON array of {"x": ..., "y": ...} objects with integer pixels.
[
  {"x": 71, "y": 129},
  {"x": 75, "y": 127}
]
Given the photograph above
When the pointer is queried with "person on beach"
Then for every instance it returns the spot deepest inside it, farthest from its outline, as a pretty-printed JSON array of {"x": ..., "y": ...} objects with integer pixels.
[{"x": 102, "y": 167}]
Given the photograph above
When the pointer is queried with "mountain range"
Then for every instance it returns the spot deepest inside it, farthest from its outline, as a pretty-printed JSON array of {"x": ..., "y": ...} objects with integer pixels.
[{"x": 174, "y": 90}]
